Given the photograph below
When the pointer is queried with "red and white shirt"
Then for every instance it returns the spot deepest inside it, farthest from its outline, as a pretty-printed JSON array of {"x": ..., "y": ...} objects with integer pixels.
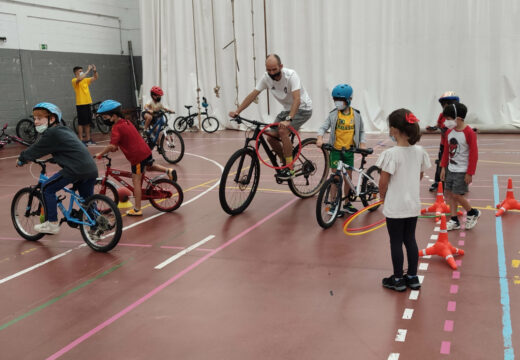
[{"x": 460, "y": 151}]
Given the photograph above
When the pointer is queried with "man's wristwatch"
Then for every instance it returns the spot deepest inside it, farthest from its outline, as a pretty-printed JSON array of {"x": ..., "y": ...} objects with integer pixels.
[{"x": 288, "y": 118}]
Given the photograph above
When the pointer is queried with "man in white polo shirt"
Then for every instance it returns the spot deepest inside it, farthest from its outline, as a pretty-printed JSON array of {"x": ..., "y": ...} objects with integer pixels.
[{"x": 286, "y": 87}]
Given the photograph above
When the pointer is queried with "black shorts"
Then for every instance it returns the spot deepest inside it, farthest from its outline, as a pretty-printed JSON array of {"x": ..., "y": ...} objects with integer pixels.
[
  {"x": 84, "y": 114},
  {"x": 141, "y": 167}
]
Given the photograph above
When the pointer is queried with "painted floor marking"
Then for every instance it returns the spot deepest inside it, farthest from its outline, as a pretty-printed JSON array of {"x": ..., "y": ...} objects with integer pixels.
[
  {"x": 445, "y": 347},
  {"x": 184, "y": 252},
  {"x": 414, "y": 295},
  {"x": 452, "y": 306},
  {"x": 401, "y": 335},
  {"x": 454, "y": 289},
  {"x": 407, "y": 314},
  {"x": 448, "y": 325},
  {"x": 434, "y": 237},
  {"x": 423, "y": 266},
  {"x": 455, "y": 275},
  {"x": 393, "y": 356}
]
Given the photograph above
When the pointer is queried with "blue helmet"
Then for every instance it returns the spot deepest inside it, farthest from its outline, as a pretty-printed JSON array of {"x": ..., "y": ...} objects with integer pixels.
[
  {"x": 107, "y": 106},
  {"x": 343, "y": 91},
  {"x": 53, "y": 109},
  {"x": 449, "y": 96}
]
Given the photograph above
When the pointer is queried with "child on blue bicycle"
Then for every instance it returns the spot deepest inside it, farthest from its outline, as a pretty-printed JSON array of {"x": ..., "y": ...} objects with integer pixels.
[
  {"x": 153, "y": 106},
  {"x": 347, "y": 130},
  {"x": 70, "y": 154},
  {"x": 125, "y": 136}
]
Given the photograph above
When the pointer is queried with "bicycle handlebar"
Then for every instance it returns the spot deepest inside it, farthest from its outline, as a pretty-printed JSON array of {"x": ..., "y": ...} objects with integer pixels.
[
  {"x": 352, "y": 149},
  {"x": 240, "y": 119}
]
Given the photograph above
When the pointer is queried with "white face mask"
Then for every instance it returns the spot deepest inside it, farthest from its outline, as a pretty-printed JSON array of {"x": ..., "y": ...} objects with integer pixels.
[
  {"x": 450, "y": 124},
  {"x": 340, "y": 105},
  {"x": 81, "y": 73},
  {"x": 41, "y": 128}
]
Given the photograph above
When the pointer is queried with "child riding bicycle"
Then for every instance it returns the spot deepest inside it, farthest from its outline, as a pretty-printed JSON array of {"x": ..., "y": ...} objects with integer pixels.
[
  {"x": 70, "y": 154},
  {"x": 348, "y": 131},
  {"x": 125, "y": 136},
  {"x": 153, "y": 106}
]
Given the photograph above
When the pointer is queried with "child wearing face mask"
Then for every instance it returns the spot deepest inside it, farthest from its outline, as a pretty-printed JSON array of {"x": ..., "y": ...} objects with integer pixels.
[
  {"x": 402, "y": 168},
  {"x": 347, "y": 130},
  {"x": 459, "y": 163},
  {"x": 154, "y": 106}
]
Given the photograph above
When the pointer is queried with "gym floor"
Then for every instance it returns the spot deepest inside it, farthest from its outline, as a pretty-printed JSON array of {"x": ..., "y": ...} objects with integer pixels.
[{"x": 266, "y": 284}]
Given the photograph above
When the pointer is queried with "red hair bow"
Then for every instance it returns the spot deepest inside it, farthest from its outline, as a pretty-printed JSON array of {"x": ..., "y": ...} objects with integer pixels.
[{"x": 411, "y": 119}]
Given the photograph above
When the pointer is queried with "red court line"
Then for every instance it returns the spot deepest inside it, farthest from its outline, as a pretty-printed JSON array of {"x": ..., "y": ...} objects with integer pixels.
[{"x": 161, "y": 287}]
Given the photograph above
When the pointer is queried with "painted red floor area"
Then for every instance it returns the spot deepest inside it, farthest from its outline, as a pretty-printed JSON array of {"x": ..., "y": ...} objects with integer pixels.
[{"x": 265, "y": 284}]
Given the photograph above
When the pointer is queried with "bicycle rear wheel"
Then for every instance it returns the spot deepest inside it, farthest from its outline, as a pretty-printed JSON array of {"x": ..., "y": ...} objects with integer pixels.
[
  {"x": 104, "y": 128},
  {"x": 310, "y": 168},
  {"x": 329, "y": 206},
  {"x": 180, "y": 124},
  {"x": 75, "y": 124},
  {"x": 104, "y": 235},
  {"x": 210, "y": 124},
  {"x": 171, "y": 146},
  {"x": 27, "y": 210},
  {"x": 167, "y": 195},
  {"x": 25, "y": 129},
  {"x": 370, "y": 187},
  {"x": 239, "y": 181}
]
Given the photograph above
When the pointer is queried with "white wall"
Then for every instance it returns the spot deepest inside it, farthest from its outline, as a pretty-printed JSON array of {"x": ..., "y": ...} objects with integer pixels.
[{"x": 79, "y": 26}]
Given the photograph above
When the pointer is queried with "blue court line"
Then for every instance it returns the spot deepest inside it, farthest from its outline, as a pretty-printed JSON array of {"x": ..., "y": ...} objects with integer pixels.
[{"x": 507, "y": 330}]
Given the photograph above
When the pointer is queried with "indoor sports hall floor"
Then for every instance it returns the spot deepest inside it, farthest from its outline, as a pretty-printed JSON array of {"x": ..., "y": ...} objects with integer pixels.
[{"x": 266, "y": 284}]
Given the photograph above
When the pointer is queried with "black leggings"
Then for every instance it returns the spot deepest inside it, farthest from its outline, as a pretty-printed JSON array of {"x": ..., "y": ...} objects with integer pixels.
[
  {"x": 403, "y": 231},
  {"x": 438, "y": 162}
]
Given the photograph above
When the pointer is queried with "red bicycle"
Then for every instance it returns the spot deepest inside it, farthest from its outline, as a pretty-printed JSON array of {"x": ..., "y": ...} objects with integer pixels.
[
  {"x": 164, "y": 194},
  {"x": 7, "y": 139}
]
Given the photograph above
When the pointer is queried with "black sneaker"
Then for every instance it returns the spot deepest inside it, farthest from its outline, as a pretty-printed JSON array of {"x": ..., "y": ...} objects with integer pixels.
[
  {"x": 392, "y": 283},
  {"x": 434, "y": 187},
  {"x": 349, "y": 209},
  {"x": 412, "y": 282},
  {"x": 285, "y": 174}
]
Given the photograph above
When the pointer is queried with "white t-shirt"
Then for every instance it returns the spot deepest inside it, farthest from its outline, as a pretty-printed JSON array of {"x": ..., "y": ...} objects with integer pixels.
[
  {"x": 404, "y": 164},
  {"x": 154, "y": 106},
  {"x": 282, "y": 89}
]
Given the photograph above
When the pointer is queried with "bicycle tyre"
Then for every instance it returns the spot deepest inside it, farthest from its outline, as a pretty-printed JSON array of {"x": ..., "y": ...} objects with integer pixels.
[
  {"x": 324, "y": 204},
  {"x": 180, "y": 124},
  {"x": 173, "y": 150},
  {"x": 104, "y": 128},
  {"x": 159, "y": 185},
  {"x": 109, "y": 190},
  {"x": 75, "y": 124},
  {"x": 210, "y": 124},
  {"x": 108, "y": 227},
  {"x": 226, "y": 201},
  {"x": 18, "y": 208},
  {"x": 309, "y": 177},
  {"x": 370, "y": 190},
  {"x": 25, "y": 130}
]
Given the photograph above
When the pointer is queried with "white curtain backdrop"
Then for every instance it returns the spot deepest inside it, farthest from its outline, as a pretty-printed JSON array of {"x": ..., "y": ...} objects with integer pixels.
[{"x": 394, "y": 53}]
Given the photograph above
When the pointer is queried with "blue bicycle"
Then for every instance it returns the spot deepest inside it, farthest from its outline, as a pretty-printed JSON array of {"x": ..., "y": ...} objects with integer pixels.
[
  {"x": 97, "y": 217},
  {"x": 169, "y": 142}
]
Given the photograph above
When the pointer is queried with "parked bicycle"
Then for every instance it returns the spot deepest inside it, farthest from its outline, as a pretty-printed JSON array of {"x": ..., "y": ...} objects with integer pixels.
[
  {"x": 164, "y": 194},
  {"x": 97, "y": 217},
  {"x": 7, "y": 139},
  {"x": 209, "y": 123},
  {"x": 241, "y": 174},
  {"x": 169, "y": 142},
  {"x": 97, "y": 120},
  {"x": 26, "y": 130},
  {"x": 330, "y": 198}
]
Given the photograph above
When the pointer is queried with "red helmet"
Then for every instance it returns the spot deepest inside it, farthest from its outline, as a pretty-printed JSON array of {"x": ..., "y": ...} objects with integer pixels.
[{"x": 156, "y": 90}]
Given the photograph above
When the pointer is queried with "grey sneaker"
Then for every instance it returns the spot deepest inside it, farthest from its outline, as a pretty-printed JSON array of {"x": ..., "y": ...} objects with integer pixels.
[
  {"x": 47, "y": 228},
  {"x": 453, "y": 225},
  {"x": 471, "y": 220},
  {"x": 349, "y": 209}
]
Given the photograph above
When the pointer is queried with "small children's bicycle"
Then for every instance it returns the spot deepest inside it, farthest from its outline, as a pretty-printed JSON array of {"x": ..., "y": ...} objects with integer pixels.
[
  {"x": 330, "y": 198},
  {"x": 170, "y": 145},
  {"x": 7, "y": 139},
  {"x": 164, "y": 194},
  {"x": 97, "y": 217},
  {"x": 209, "y": 123}
]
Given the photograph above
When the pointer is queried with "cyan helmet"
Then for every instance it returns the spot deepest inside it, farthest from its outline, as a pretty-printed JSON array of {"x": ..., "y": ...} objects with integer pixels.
[
  {"x": 343, "y": 91},
  {"x": 53, "y": 109},
  {"x": 449, "y": 96},
  {"x": 107, "y": 106}
]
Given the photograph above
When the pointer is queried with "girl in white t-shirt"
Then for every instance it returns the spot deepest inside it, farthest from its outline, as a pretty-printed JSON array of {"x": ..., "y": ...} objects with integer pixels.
[{"x": 402, "y": 168}]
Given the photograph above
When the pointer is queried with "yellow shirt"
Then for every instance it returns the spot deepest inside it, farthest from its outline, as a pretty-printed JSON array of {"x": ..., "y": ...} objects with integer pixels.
[
  {"x": 82, "y": 91},
  {"x": 344, "y": 130}
]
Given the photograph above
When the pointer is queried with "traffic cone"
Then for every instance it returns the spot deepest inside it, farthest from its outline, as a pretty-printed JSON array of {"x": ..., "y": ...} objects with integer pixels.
[
  {"x": 440, "y": 206},
  {"x": 509, "y": 202},
  {"x": 443, "y": 247}
]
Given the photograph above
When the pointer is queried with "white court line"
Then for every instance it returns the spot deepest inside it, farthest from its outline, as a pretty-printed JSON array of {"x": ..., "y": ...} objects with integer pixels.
[
  {"x": 421, "y": 278},
  {"x": 184, "y": 252},
  {"x": 423, "y": 266},
  {"x": 401, "y": 335},
  {"x": 407, "y": 314},
  {"x": 414, "y": 295},
  {"x": 393, "y": 356},
  {"x": 434, "y": 237}
]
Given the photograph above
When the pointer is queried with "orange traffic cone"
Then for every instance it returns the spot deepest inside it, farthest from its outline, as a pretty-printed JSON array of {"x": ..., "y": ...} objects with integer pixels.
[
  {"x": 443, "y": 247},
  {"x": 440, "y": 206},
  {"x": 509, "y": 202}
]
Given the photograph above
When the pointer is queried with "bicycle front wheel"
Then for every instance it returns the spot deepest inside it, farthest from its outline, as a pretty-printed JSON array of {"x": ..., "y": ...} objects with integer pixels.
[
  {"x": 104, "y": 128},
  {"x": 328, "y": 205},
  {"x": 370, "y": 187},
  {"x": 106, "y": 231},
  {"x": 180, "y": 124},
  {"x": 171, "y": 146},
  {"x": 311, "y": 169},
  {"x": 239, "y": 181},
  {"x": 108, "y": 190},
  {"x": 25, "y": 129},
  {"x": 27, "y": 210},
  {"x": 165, "y": 195},
  {"x": 210, "y": 124}
]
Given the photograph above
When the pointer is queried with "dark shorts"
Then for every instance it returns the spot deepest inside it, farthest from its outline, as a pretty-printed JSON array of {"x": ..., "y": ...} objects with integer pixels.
[
  {"x": 84, "y": 114},
  {"x": 141, "y": 167},
  {"x": 454, "y": 182}
]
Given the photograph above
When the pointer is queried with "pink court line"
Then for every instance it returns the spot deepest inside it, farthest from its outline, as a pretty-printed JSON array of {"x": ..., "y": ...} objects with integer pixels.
[
  {"x": 454, "y": 289},
  {"x": 462, "y": 234},
  {"x": 461, "y": 242},
  {"x": 456, "y": 275},
  {"x": 448, "y": 325},
  {"x": 452, "y": 306},
  {"x": 445, "y": 347},
  {"x": 458, "y": 262},
  {"x": 161, "y": 287}
]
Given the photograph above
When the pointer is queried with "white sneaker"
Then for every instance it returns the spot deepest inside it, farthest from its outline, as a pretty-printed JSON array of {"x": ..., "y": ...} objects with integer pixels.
[
  {"x": 471, "y": 220},
  {"x": 452, "y": 225},
  {"x": 47, "y": 228}
]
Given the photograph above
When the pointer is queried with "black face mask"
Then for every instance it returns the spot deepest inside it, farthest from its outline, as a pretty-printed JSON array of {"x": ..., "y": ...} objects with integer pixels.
[
  {"x": 157, "y": 98},
  {"x": 107, "y": 122},
  {"x": 274, "y": 76}
]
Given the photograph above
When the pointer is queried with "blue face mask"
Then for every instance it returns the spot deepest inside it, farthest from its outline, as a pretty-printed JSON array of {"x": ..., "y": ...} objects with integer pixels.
[{"x": 393, "y": 138}]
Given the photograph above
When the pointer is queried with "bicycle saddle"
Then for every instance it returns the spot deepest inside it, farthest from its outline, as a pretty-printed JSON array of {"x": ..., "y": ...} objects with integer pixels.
[
  {"x": 365, "y": 151},
  {"x": 188, "y": 106}
]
